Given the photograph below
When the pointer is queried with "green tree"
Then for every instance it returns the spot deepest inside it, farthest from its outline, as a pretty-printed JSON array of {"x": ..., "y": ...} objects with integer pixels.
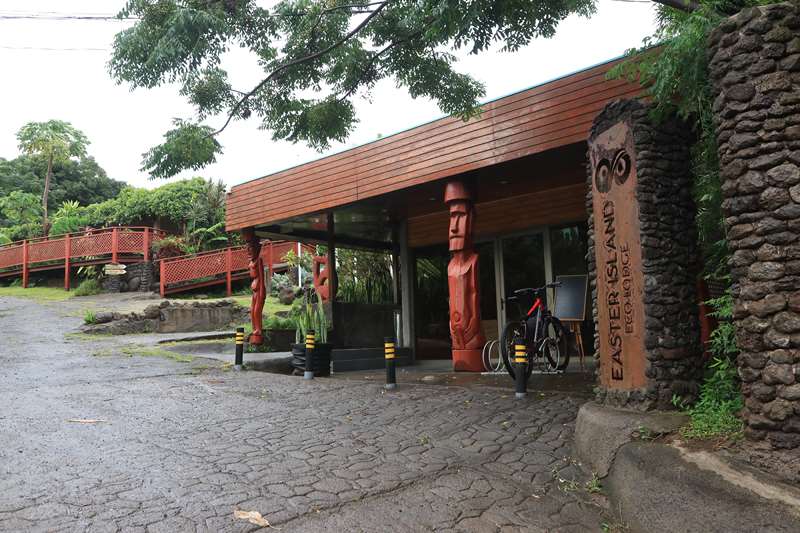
[
  {"x": 82, "y": 180},
  {"x": 55, "y": 141},
  {"x": 316, "y": 56},
  {"x": 20, "y": 207}
]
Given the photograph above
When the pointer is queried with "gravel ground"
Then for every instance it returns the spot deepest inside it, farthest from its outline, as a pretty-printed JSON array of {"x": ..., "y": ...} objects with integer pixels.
[{"x": 115, "y": 442}]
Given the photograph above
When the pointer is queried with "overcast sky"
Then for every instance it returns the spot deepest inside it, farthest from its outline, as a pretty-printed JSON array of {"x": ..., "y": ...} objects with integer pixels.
[{"x": 55, "y": 69}]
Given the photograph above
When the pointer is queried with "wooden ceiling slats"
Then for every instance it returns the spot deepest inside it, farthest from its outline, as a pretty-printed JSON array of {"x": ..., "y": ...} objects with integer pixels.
[{"x": 548, "y": 116}]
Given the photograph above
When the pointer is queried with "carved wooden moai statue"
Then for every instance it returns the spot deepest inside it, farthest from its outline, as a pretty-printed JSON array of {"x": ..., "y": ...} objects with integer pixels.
[{"x": 462, "y": 281}]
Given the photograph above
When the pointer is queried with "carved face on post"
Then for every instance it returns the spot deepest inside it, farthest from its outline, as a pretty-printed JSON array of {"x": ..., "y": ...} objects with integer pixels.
[
  {"x": 459, "y": 202},
  {"x": 460, "y": 234}
]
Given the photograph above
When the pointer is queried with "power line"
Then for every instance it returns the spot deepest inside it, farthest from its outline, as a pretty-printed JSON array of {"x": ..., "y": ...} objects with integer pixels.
[
  {"x": 44, "y": 48},
  {"x": 66, "y": 17}
]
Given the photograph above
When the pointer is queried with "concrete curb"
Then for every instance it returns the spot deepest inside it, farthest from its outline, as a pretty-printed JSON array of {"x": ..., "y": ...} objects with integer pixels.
[
  {"x": 663, "y": 487},
  {"x": 601, "y": 431}
]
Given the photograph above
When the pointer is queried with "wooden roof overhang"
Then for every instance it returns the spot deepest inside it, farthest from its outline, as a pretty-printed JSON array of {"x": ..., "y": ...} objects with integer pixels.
[{"x": 364, "y": 183}]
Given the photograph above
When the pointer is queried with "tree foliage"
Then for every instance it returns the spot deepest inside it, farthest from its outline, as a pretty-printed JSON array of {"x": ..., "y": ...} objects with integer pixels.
[
  {"x": 672, "y": 65},
  {"x": 316, "y": 57},
  {"x": 55, "y": 141},
  {"x": 19, "y": 207},
  {"x": 81, "y": 180}
]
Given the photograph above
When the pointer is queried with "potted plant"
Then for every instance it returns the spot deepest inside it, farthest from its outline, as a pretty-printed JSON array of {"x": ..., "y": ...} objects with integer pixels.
[{"x": 309, "y": 315}]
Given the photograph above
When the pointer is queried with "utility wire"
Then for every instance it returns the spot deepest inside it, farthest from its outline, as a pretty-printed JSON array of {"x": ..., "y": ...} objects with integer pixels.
[{"x": 53, "y": 49}]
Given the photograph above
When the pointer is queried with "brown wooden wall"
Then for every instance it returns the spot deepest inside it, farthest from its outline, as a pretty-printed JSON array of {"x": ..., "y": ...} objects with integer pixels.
[
  {"x": 553, "y": 206},
  {"x": 548, "y": 116}
]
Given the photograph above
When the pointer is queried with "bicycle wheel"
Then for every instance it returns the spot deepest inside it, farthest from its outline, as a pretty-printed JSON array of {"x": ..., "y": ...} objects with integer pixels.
[
  {"x": 511, "y": 331},
  {"x": 555, "y": 348}
]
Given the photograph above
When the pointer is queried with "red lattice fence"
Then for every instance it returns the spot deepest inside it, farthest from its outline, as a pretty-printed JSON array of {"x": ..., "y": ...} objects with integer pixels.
[
  {"x": 96, "y": 246},
  {"x": 182, "y": 273}
]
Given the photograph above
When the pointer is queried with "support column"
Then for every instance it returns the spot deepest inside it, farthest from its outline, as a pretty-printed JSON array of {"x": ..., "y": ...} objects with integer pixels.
[
  {"x": 25, "y": 272},
  {"x": 755, "y": 70},
  {"x": 641, "y": 252},
  {"x": 406, "y": 275},
  {"x": 115, "y": 245},
  {"x": 67, "y": 254},
  {"x": 333, "y": 280}
]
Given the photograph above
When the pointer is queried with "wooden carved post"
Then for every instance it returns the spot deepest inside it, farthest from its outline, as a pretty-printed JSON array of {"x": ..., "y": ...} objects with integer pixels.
[
  {"x": 462, "y": 282},
  {"x": 67, "y": 254},
  {"x": 256, "y": 268},
  {"x": 25, "y": 264}
]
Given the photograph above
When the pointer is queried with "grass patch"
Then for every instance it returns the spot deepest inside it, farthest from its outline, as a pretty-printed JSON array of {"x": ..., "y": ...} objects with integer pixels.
[
  {"x": 271, "y": 305},
  {"x": 145, "y": 351},
  {"x": 715, "y": 414},
  {"x": 89, "y": 317},
  {"x": 40, "y": 294},
  {"x": 89, "y": 287},
  {"x": 593, "y": 486}
]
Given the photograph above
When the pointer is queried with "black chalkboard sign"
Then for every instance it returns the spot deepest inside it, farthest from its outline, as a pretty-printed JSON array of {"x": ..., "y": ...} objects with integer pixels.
[{"x": 571, "y": 297}]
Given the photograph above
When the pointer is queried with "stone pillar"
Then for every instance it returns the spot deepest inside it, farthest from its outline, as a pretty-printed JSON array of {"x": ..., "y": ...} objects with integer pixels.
[
  {"x": 755, "y": 70},
  {"x": 641, "y": 259}
]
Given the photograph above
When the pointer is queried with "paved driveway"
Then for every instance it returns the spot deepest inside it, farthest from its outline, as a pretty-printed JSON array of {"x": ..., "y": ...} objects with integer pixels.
[{"x": 175, "y": 446}]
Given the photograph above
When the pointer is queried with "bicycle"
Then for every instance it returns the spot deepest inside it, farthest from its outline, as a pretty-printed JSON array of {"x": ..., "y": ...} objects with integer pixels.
[{"x": 544, "y": 335}]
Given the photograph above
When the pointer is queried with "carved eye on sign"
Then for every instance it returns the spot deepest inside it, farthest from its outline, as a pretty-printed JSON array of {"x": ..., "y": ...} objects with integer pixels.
[
  {"x": 607, "y": 173},
  {"x": 622, "y": 167},
  {"x": 602, "y": 176}
]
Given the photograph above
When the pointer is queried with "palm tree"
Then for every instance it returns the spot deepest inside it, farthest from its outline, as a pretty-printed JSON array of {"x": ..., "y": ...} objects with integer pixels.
[{"x": 55, "y": 140}]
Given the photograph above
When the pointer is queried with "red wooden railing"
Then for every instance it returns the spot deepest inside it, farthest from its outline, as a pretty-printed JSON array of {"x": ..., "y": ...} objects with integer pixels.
[
  {"x": 92, "y": 247},
  {"x": 219, "y": 266}
]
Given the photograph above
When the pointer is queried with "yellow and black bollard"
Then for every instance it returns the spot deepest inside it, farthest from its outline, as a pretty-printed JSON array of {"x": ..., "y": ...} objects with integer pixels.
[
  {"x": 520, "y": 367},
  {"x": 239, "y": 360},
  {"x": 388, "y": 352},
  {"x": 310, "y": 342}
]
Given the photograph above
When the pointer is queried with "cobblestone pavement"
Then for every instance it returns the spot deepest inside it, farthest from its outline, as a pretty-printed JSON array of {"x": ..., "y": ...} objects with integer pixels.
[{"x": 180, "y": 446}]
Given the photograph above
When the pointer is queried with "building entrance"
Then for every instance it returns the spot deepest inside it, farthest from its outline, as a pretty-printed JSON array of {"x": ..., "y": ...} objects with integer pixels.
[{"x": 506, "y": 263}]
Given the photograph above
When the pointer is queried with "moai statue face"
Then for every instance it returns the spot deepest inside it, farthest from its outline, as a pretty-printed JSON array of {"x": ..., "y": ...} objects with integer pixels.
[{"x": 459, "y": 201}]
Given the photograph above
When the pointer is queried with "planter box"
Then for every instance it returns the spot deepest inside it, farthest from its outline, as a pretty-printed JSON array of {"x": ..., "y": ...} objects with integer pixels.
[
  {"x": 281, "y": 340},
  {"x": 320, "y": 358},
  {"x": 351, "y": 359}
]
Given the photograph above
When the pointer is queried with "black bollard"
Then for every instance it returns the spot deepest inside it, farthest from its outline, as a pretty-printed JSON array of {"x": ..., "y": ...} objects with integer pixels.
[
  {"x": 310, "y": 342},
  {"x": 520, "y": 367},
  {"x": 388, "y": 352},
  {"x": 239, "y": 359}
]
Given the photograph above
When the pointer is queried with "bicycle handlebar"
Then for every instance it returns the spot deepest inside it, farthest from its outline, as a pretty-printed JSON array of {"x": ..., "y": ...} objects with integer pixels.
[{"x": 519, "y": 292}]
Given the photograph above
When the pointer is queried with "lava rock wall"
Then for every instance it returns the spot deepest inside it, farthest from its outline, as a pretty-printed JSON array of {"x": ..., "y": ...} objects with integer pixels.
[{"x": 755, "y": 69}]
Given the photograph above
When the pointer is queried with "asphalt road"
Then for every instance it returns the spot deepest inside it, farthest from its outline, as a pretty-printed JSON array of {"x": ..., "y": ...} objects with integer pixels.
[{"x": 111, "y": 442}]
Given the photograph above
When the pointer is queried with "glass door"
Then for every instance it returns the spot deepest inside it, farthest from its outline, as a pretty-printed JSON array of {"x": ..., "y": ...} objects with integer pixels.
[{"x": 522, "y": 263}]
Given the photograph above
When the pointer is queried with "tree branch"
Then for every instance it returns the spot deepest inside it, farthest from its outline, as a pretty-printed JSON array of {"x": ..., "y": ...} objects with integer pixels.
[
  {"x": 299, "y": 61},
  {"x": 371, "y": 63},
  {"x": 683, "y": 5}
]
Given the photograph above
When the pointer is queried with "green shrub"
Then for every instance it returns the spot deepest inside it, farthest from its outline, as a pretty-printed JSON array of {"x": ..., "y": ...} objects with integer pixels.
[
  {"x": 715, "y": 414},
  {"x": 89, "y": 317},
  {"x": 88, "y": 287},
  {"x": 170, "y": 246},
  {"x": 277, "y": 322}
]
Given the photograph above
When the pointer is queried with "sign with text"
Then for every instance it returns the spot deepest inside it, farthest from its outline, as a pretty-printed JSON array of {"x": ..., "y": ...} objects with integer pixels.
[
  {"x": 113, "y": 269},
  {"x": 620, "y": 282}
]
